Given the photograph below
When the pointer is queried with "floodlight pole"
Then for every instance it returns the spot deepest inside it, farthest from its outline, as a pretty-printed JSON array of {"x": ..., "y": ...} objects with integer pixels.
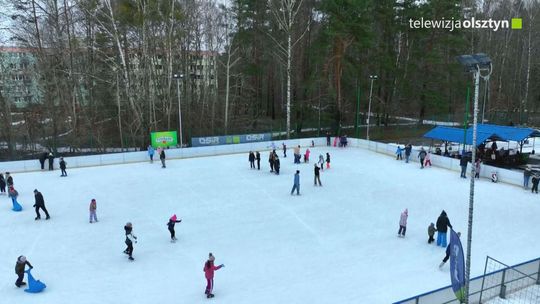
[
  {"x": 471, "y": 194},
  {"x": 179, "y": 77},
  {"x": 372, "y": 78}
]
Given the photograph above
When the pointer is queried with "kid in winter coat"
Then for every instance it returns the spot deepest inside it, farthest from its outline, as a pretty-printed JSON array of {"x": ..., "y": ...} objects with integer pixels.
[
  {"x": 209, "y": 269},
  {"x": 321, "y": 161},
  {"x": 403, "y": 223},
  {"x": 399, "y": 153},
  {"x": 13, "y": 194},
  {"x": 427, "y": 160},
  {"x": 317, "y": 175},
  {"x": 170, "y": 225},
  {"x": 431, "y": 232},
  {"x": 130, "y": 239},
  {"x": 271, "y": 160},
  {"x": 93, "y": 208},
  {"x": 9, "y": 179},
  {"x": 2, "y": 184},
  {"x": 251, "y": 159},
  {"x": 422, "y": 155},
  {"x": 477, "y": 168},
  {"x": 258, "y": 158},
  {"x": 306, "y": 156},
  {"x": 327, "y": 160},
  {"x": 19, "y": 270},
  {"x": 162, "y": 158},
  {"x": 151, "y": 153},
  {"x": 63, "y": 166},
  {"x": 277, "y": 164}
]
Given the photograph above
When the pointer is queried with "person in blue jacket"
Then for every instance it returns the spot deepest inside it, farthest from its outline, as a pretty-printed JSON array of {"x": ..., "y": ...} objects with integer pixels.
[
  {"x": 296, "y": 185},
  {"x": 151, "y": 153},
  {"x": 398, "y": 153}
]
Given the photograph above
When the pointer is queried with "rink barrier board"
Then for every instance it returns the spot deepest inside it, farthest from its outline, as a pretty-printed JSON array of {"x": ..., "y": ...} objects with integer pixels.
[{"x": 445, "y": 295}]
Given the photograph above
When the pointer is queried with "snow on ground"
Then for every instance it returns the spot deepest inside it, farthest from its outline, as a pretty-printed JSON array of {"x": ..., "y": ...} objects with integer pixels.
[{"x": 334, "y": 244}]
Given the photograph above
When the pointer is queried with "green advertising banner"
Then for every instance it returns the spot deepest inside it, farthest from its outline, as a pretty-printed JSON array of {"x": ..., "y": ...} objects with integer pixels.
[{"x": 164, "y": 139}]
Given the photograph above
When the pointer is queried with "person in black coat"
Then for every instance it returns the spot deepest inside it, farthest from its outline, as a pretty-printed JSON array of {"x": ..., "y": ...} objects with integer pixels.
[
  {"x": 535, "y": 180},
  {"x": 251, "y": 159},
  {"x": 9, "y": 179},
  {"x": 463, "y": 163},
  {"x": 442, "y": 227},
  {"x": 271, "y": 160},
  {"x": 42, "y": 158},
  {"x": 258, "y": 158},
  {"x": 408, "y": 150},
  {"x": 170, "y": 226},
  {"x": 130, "y": 239},
  {"x": 317, "y": 175},
  {"x": 2, "y": 184},
  {"x": 328, "y": 138},
  {"x": 51, "y": 161},
  {"x": 277, "y": 164},
  {"x": 63, "y": 166},
  {"x": 19, "y": 270},
  {"x": 162, "y": 158},
  {"x": 40, "y": 204}
]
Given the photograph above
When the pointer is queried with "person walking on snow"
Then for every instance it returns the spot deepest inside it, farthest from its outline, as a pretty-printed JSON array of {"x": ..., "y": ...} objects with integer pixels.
[
  {"x": 526, "y": 176},
  {"x": 40, "y": 204},
  {"x": 477, "y": 164},
  {"x": 427, "y": 160},
  {"x": 321, "y": 162},
  {"x": 284, "y": 150},
  {"x": 277, "y": 164},
  {"x": 258, "y": 158},
  {"x": 408, "y": 149},
  {"x": 93, "y": 208},
  {"x": 463, "y": 164},
  {"x": 251, "y": 159},
  {"x": 327, "y": 160},
  {"x": 403, "y": 223},
  {"x": 19, "y": 270},
  {"x": 317, "y": 175},
  {"x": 151, "y": 153},
  {"x": 162, "y": 158},
  {"x": 209, "y": 269},
  {"x": 398, "y": 153},
  {"x": 63, "y": 166},
  {"x": 442, "y": 227},
  {"x": 172, "y": 221},
  {"x": 447, "y": 256},
  {"x": 422, "y": 155},
  {"x": 296, "y": 185},
  {"x": 2, "y": 184},
  {"x": 431, "y": 232},
  {"x": 130, "y": 239}
]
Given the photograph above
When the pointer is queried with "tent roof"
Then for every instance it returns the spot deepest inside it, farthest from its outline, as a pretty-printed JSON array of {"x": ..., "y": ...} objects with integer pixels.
[
  {"x": 456, "y": 135},
  {"x": 507, "y": 132}
]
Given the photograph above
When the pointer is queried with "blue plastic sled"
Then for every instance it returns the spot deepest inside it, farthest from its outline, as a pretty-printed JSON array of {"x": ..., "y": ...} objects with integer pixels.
[
  {"x": 16, "y": 206},
  {"x": 34, "y": 286}
]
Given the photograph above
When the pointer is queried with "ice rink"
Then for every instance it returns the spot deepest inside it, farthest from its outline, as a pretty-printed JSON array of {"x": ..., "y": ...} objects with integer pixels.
[{"x": 333, "y": 244}]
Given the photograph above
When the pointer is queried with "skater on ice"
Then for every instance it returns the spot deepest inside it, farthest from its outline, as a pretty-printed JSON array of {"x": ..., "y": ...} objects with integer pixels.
[
  {"x": 130, "y": 239},
  {"x": 13, "y": 194},
  {"x": 463, "y": 164},
  {"x": 427, "y": 160},
  {"x": 258, "y": 158},
  {"x": 447, "y": 256},
  {"x": 328, "y": 139},
  {"x": 209, "y": 269},
  {"x": 321, "y": 162},
  {"x": 271, "y": 160},
  {"x": 51, "y": 161},
  {"x": 9, "y": 179},
  {"x": 151, "y": 153},
  {"x": 2, "y": 184},
  {"x": 296, "y": 185},
  {"x": 535, "y": 180},
  {"x": 284, "y": 150},
  {"x": 422, "y": 155},
  {"x": 477, "y": 165},
  {"x": 277, "y": 164},
  {"x": 251, "y": 159},
  {"x": 172, "y": 221},
  {"x": 442, "y": 227},
  {"x": 40, "y": 204},
  {"x": 403, "y": 223},
  {"x": 399, "y": 152},
  {"x": 63, "y": 166},
  {"x": 297, "y": 155},
  {"x": 162, "y": 158},
  {"x": 42, "y": 158},
  {"x": 306, "y": 155},
  {"x": 327, "y": 160},
  {"x": 19, "y": 270},
  {"x": 431, "y": 232},
  {"x": 93, "y": 208},
  {"x": 526, "y": 176},
  {"x": 408, "y": 150},
  {"x": 317, "y": 175}
]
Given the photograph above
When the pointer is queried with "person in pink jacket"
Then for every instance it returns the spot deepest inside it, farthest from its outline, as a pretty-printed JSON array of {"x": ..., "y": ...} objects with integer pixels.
[
  {"x": 209, "y": 269},
  {"x": 403, "y": 223},
  {"x": 306, "y": 156}
]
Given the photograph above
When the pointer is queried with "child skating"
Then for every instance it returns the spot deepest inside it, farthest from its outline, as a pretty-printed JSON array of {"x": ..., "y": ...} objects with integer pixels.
[
  {"x": 130, "y": 239},
  {"x": 19, "y": 270},
  {"x": 172, "y": 221},
  {"x": 431, "y": 232},
  {"x": 403, "y": 223},
  {"x": 327, "y": 160},
  {"x": 93, "y": 208},
  {"x": 209, "y": 269},
  {"x": 321, "y": 162}
]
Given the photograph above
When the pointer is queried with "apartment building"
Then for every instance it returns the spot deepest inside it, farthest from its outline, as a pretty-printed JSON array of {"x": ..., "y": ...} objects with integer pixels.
[{"x": 18, "y": 83}]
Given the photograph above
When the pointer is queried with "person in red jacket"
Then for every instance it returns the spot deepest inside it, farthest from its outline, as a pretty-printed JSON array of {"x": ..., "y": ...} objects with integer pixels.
[{"x": 209, "y": 269}]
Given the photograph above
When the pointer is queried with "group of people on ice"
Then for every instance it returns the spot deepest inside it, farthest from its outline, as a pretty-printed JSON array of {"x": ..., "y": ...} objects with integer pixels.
[
  {"x": 160, "y": 151},
  {"x": 441, "y": 227},
  {"x": 43, "y": 157}
]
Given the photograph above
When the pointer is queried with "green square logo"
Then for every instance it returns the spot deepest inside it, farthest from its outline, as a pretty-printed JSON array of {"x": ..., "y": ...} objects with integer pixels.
[{"x": 517, "y": 23}]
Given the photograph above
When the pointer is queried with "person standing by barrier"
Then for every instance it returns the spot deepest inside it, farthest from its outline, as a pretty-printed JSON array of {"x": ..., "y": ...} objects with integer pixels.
[
  {"x": 442, "y": 227},
  {"x": 258, "y": 158},
  {"x": 42, "y": 158},
  {"x": 296, "y": 185},
  {"x": 51, "y": 161},
  {"x": 328, "y": 139},
  {"x": 535, "y": 180},
  {"x": 251, "y": 159},
  {"x": 463, "y": 164},
  {"x": 477, "y": 165},
  {"x": 427, "y": 160},
  {"x": 398, "y": 153},
  {"x": 526, "y": 177},
  {"x": 151, "y": 153},
  {"x": 2, "y": 184},
  {"x": 162, "y": 158},
  {"x": 408, "y": 150}
]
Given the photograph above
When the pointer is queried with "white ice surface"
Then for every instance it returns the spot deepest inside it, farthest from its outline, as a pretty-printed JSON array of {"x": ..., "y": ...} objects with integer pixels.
[{"x": 334, "y": 244}]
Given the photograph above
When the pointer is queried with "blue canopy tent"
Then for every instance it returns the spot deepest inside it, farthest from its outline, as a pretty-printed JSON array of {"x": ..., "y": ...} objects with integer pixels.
[
  {"x": 456, "y": 135},
  {"x": 508, "y": 133}
]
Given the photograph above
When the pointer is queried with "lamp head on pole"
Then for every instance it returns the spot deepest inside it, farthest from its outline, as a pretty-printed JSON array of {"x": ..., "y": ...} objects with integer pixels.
[
  {"x": 473, "y": 63},
  {"x": 178, "y": 76},
  {"x": 373, "y": 77}
]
